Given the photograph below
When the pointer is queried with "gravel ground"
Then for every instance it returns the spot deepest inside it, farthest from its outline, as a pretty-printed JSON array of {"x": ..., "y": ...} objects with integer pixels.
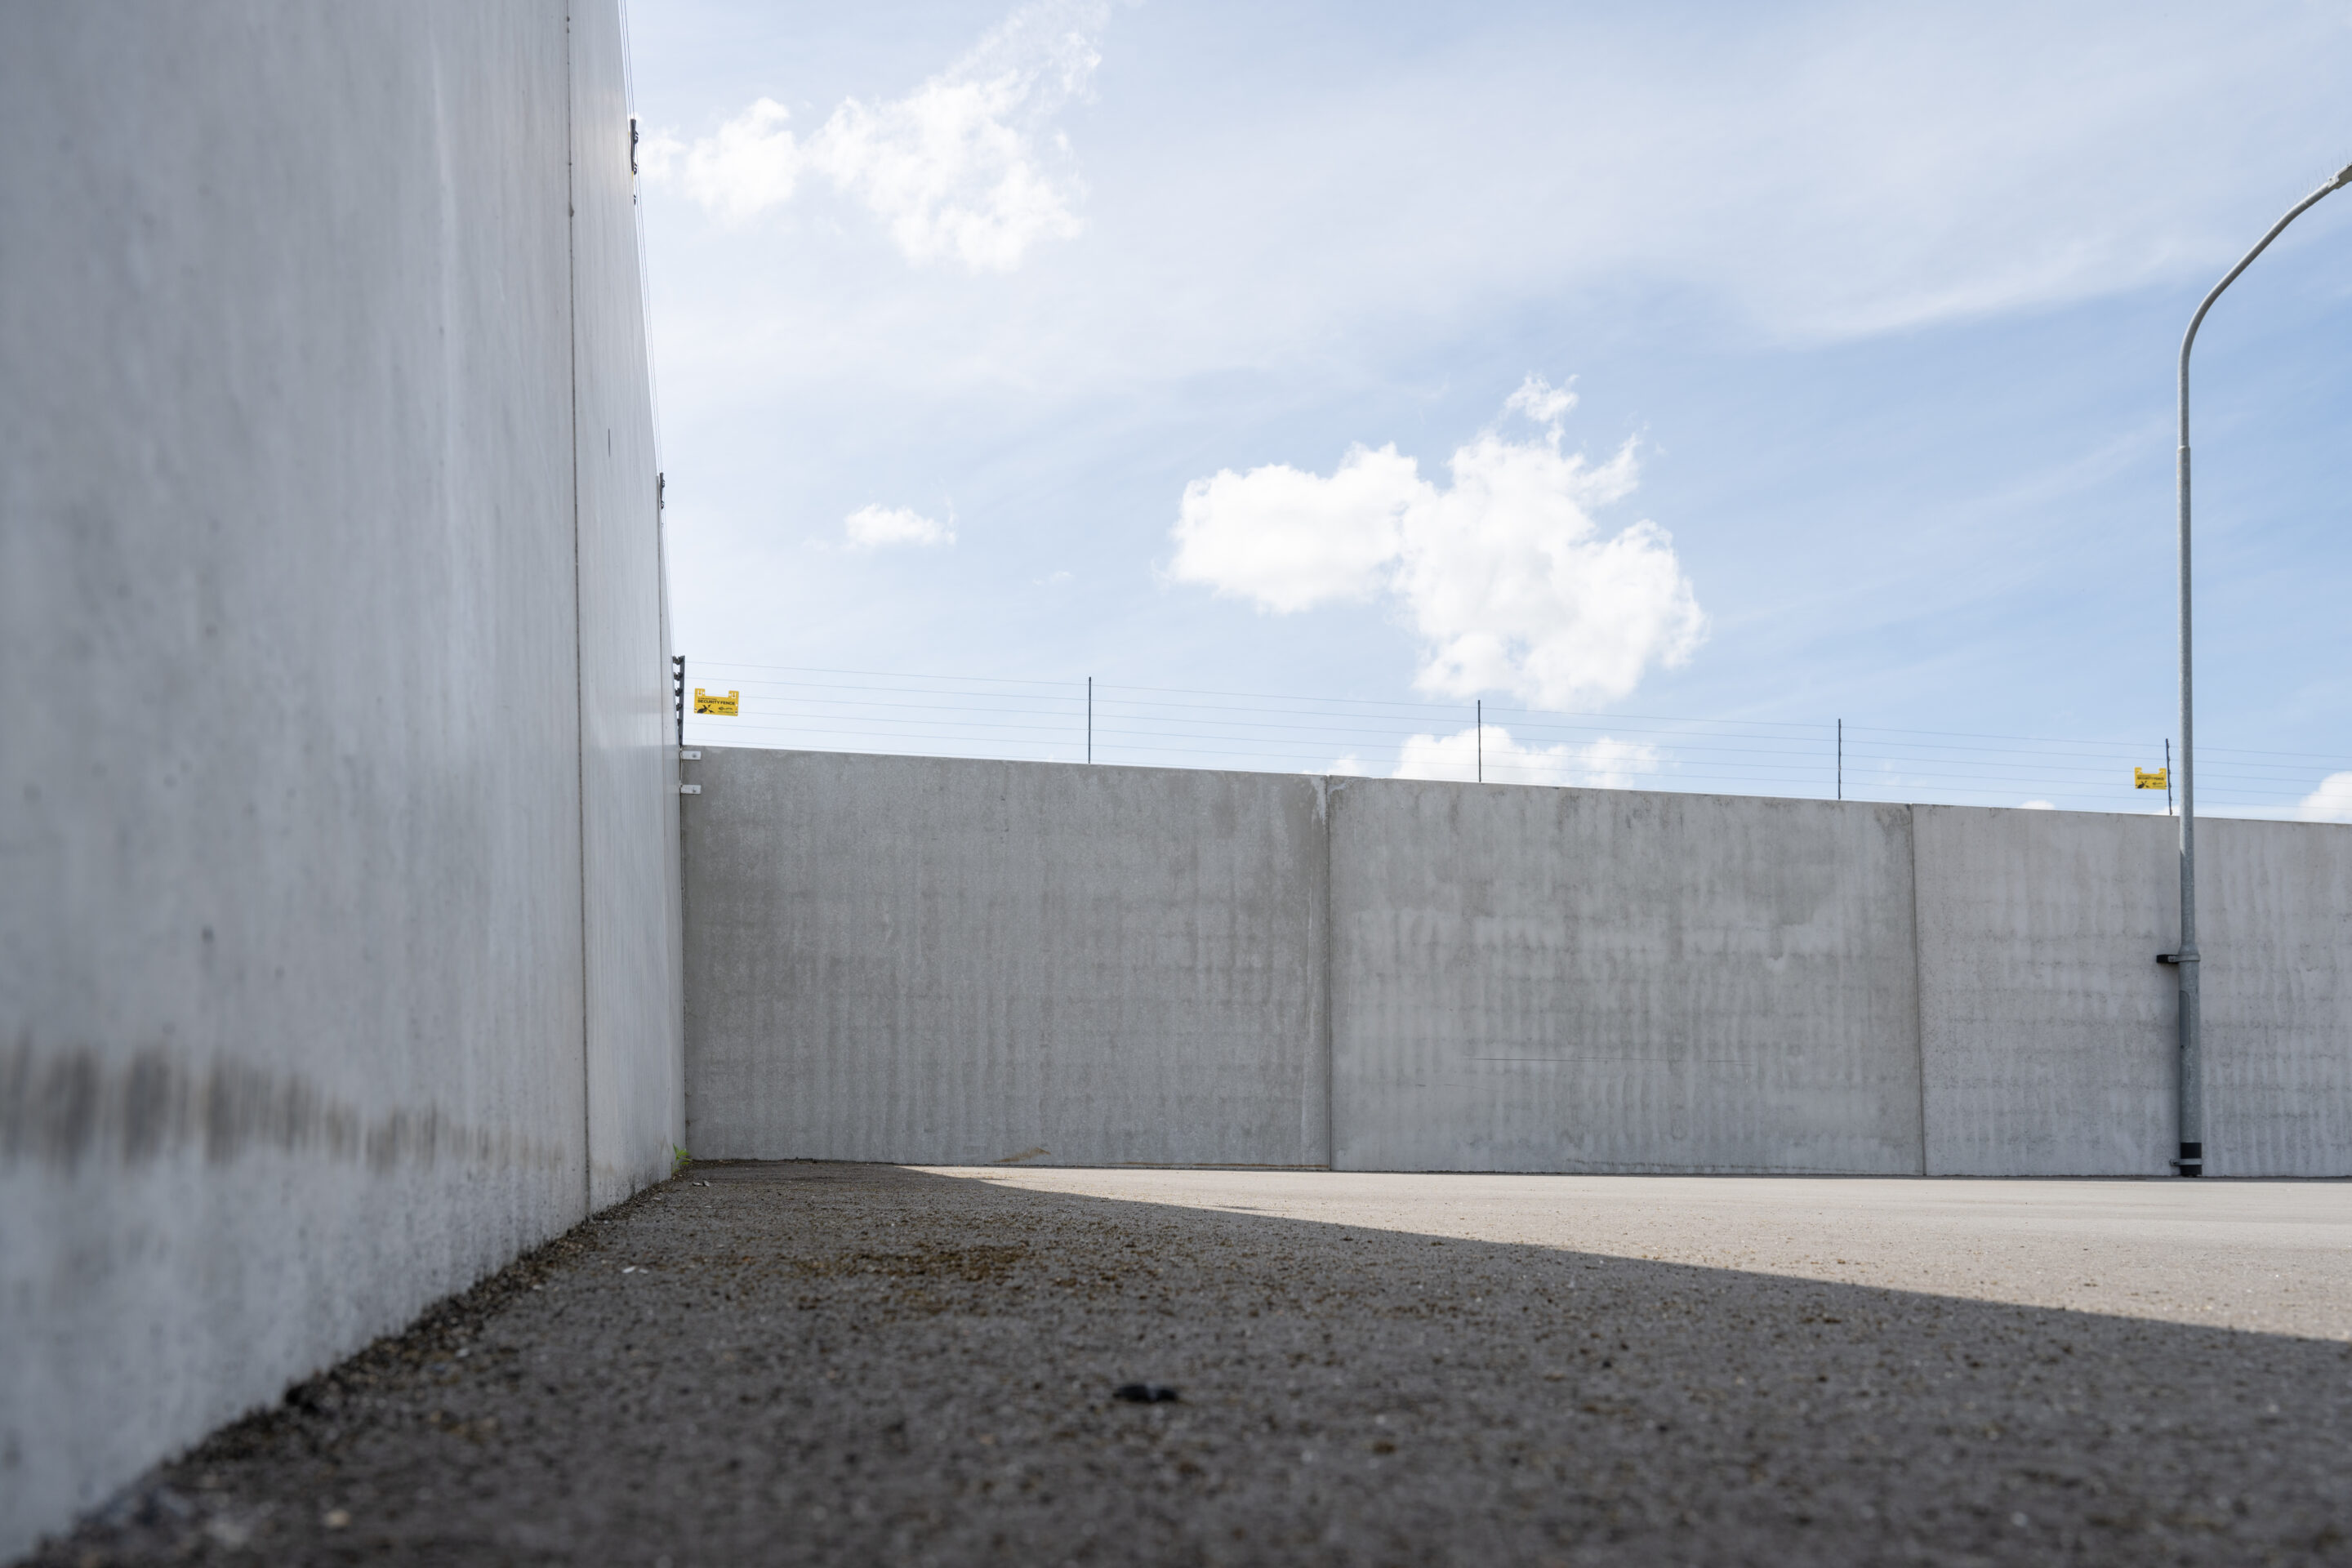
[{"x": 844, "y": 1364}]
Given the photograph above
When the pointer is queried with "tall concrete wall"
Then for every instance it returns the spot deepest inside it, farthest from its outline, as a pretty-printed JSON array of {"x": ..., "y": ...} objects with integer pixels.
[
  {"x": 311, "y": 1010},
  {"x": 628, "y": 757},
  {"x": 926, "y": 960},
  {"x": 960, "y": 962}
]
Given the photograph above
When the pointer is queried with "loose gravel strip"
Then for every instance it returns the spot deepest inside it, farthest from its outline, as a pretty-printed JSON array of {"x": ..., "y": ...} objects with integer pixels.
[{"x": 844, "y": 1364}]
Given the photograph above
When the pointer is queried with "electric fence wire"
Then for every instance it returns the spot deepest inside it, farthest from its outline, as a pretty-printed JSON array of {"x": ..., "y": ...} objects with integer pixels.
[{"x": 899, "y": 713}]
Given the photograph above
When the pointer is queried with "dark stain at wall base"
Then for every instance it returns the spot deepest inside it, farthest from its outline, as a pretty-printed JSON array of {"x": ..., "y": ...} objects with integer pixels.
[{"x": 68, "y": 1108}]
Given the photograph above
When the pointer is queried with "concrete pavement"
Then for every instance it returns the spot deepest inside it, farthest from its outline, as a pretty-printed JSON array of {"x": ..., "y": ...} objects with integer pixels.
[{"x": 2269, "y": 1256}]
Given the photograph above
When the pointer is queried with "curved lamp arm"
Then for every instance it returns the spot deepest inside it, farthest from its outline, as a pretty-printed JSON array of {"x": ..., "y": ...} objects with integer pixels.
[{"x": 2343, "y": 177}]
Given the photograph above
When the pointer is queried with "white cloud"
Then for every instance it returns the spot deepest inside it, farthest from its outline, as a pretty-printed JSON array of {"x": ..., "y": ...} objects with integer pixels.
[
  {"x": 875, "y": 528},
  {"x": 1290, "y": 539},
  {"x": 2038, "y": 806},
  {"x": 1605, "y": 763},
  {"x": 1504, "y": 575},
  {"x": 749, "y": 167},
  {"x": 1540, "y": 401},
  {"x": 968, "y": 165},
  {"x": 2331, "y": 801}
]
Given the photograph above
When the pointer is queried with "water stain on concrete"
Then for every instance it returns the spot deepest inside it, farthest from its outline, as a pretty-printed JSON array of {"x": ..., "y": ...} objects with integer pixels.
[{"x": 63, "y": 1111}]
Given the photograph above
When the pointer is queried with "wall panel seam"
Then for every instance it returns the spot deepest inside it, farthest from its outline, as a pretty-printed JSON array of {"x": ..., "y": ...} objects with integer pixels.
[
  {"x": 1918, "y": 983},
  {"x": 1323, "y": 979}
]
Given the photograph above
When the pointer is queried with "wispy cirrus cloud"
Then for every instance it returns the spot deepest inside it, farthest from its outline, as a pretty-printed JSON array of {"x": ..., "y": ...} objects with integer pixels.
[
  {"x": 880, "y": 527},
  {"x": 1508, "y": 581},
  {"x": 969, "y": 165}
]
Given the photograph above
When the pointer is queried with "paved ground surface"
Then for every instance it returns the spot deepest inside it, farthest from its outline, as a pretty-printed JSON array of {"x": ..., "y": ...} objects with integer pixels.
[
  {"x": 2273, "y": 1256},
  {"x": 866, "y": 1365}
]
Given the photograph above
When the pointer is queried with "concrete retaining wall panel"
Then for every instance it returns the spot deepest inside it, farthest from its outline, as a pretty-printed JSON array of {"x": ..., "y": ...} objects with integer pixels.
[
  {"x": 924, "y": 959},
  {"x": 2049, "y": 1030},
  {"x": 1519, "y": 979},
  {"x": 292, "y": 1001},
  {"x": 1587, "y": 980},
  {"x": 2275, "y": 923}
]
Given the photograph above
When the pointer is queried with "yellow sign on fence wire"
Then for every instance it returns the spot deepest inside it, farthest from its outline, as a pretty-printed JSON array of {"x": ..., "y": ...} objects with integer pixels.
[
  {"x": 704, "y": 702},
  {"x": 2160, "y": 778}
]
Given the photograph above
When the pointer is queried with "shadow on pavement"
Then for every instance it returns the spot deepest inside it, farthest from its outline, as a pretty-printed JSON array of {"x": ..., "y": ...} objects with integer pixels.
[{"x": 801, "y": 1362}]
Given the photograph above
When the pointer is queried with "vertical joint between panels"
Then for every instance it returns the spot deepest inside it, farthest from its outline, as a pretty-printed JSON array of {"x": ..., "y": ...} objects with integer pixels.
[
  {"x": 1918, "y": 983},
  {"x": 1329, "y": 997}
]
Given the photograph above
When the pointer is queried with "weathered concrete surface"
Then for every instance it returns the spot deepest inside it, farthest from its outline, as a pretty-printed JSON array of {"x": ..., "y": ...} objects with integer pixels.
[
  {"x": 293, "y": 1001},
  {"x": 845, "y": 1364},
  {"x": 628, "y": 757},
  {"x": 2274, "y": 922},
  {"x": 2049, "y": 1030},
  {"x": 969, "y": 960},
  {"x": 1584, "y": 979},
  {"x": 914, "y": 959}
]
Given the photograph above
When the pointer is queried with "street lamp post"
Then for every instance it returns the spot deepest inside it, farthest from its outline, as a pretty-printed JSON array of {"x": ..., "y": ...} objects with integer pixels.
[{"x": 2191, "y": 1083}]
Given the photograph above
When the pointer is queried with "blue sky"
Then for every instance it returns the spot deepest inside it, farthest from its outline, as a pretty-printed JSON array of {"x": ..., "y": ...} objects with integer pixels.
[{"x": 1019, "y": 344}]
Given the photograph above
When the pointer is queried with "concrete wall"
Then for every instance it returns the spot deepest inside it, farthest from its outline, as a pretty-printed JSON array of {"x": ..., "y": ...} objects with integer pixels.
[
  {"x": 304, "y": 534},
  {"x": 628, "y": 755},
  {"x": 955, "y": 962},
  {"x": 1604, "y": 980},
  {"x": 2049, "y": 1030},
  {"x": 924, "y": 959},
  {"x": 2274, "y": 919}
]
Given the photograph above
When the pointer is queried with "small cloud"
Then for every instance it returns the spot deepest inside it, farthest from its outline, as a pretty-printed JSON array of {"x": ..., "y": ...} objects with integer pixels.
[
  {"x": 1540, "y": 401},
  {"x": 1053, "y": 579},
  {"x": 1605, "y": 763},
  {"x": 878, "y": 528},
  {"x": 2331, "y": 801},
  {"x": 2037, "y": 806},
  {"x": 1350, "y": 766}
]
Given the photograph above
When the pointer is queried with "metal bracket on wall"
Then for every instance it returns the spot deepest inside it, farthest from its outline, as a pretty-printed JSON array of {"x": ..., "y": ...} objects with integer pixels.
[
  {"x": 689, "y": 756},
  {"x": 677, "y": 692},
  {"x": 689, "y": 789}
]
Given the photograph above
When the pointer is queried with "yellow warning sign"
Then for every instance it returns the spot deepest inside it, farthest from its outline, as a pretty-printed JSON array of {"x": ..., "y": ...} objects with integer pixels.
[
  {"x": 704, "y": 702},
  {"x": 2142, "y": 778}
]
